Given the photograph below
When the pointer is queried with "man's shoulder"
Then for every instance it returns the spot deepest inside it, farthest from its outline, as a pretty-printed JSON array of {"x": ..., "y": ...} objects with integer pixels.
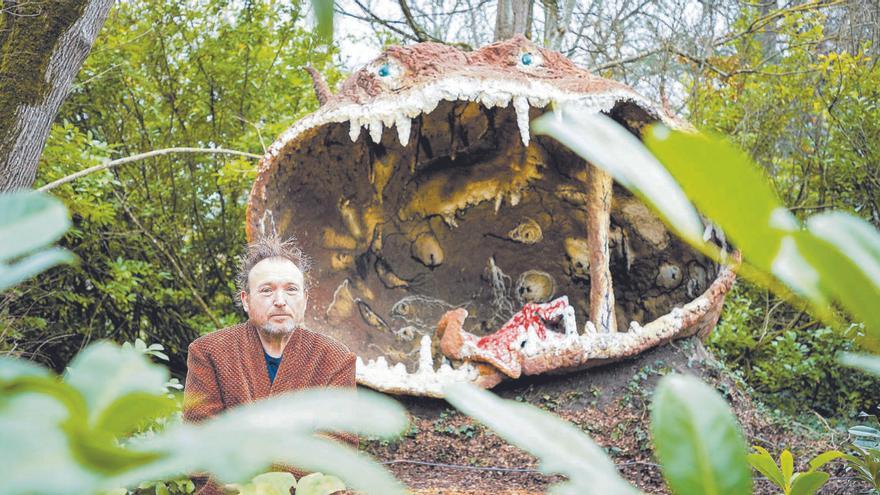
[
  {"x": 327, "y": 347},
  {"x": 222, "y": 338}
]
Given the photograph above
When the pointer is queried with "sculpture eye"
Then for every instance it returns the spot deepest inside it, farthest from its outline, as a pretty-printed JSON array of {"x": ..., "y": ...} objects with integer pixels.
[
  {"x": 388, "y": 72},
  {"x": 529, "y": 60}
]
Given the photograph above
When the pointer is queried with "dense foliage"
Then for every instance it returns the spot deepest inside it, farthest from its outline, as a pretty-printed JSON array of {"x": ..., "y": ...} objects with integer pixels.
[
  {"x": 806, "y": 110},
  {"x": 158, "y": 239}
]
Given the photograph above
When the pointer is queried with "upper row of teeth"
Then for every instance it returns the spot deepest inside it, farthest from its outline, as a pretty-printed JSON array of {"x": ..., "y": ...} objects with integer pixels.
[{"x": 399, "y": 110}]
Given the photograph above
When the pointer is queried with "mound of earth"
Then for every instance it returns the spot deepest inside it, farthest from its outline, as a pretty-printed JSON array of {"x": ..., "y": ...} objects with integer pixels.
[{"x": 445, "y": 452}]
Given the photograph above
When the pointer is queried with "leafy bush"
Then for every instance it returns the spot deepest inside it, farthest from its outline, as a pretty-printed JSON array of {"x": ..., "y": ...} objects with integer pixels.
[{"x": 791, "y": 369}]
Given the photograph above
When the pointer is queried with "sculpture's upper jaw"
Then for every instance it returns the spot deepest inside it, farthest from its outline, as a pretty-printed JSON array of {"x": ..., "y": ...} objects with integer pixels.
[{"x": 405, "y": 82}]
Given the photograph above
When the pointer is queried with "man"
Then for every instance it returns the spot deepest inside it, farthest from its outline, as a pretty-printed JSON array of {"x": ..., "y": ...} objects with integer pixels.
[{"x": 271, "y": 352}]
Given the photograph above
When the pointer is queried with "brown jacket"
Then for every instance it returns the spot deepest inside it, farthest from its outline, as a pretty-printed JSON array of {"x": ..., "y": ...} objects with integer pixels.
[{"x": 226, "y": 368}]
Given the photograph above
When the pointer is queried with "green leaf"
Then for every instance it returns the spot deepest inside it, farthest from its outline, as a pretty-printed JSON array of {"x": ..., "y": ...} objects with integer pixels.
[
  {"x": 826, "y": 457},
  {"x": 718, "y": 177},
  {"x": 34, "y": 264},
  {"x": 275, "y": 483},
  {"x": 845, "y": 279},
  {"x": 104, "y": 373},
  {"x": 865, "y": 436},
  {"x": 41, "y": 460},
  {"x": 246, "y": 440},
  {"x": 12, "y": 368},
  {"x": 809, "y": 483},
  {"x": 607, "y": 145},
  {"x": 124, "y": 415},
  {"x": 763, "y": 463},
  {"x": 864, "y": 362},
  {"x": 697, "y": 440},
  {"x": 786, "y": 465},
  {"x": 32, "y": 219},
  {"x": 855, "y": 237},
  {"x": 319, "y": 484},
  {"x": 324, "y": 15},
  {"x": 561, "y": 447},
  {"x": 99, "y": 451}
]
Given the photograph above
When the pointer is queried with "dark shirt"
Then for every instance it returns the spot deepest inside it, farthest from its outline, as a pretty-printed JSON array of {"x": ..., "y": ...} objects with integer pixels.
[{"x": 272, "y": 365}]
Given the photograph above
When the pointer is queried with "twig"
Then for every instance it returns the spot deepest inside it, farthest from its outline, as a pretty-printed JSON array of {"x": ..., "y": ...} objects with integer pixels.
[
  {"x": 122, "y": 161},
  {"x": 171, "y": 259}
]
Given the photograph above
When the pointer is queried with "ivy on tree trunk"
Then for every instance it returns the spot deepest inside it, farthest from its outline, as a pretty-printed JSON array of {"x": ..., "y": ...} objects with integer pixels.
[{"x": 42, "y": 47}]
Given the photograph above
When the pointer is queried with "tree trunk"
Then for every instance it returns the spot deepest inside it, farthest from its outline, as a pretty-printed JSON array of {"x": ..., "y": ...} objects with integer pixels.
[
  {"x": 556, "y": 22},
  {"x": 43, "y": 45},
  {"x": 513, "y": 17}
]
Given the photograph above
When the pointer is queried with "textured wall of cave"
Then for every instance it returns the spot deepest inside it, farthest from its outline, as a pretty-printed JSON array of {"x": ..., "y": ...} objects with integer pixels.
[{"x": 401, "y": 234}]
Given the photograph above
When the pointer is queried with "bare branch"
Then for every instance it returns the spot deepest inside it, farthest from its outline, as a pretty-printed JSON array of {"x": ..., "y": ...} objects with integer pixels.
[{"x": 121, "y": 161}]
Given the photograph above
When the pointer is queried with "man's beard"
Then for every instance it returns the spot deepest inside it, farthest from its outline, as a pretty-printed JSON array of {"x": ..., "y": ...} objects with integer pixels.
[{"x": 279, "y": 328}]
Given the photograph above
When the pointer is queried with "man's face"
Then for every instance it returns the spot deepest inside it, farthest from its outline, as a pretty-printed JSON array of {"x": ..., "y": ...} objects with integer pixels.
[{"x": 276, "y": 298}]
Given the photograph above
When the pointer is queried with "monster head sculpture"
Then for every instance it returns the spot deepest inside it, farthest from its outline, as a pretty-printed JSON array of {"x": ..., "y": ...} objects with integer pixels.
[{"x": 451, "y": 245}]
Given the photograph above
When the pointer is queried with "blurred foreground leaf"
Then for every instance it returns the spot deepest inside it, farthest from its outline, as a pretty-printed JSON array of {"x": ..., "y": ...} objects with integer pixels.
[
  {"x": 319, "y": 484},
  {"x": 30, "y": 221},
  {"x": 69, "y": 434},
  {"x": 697, "y": 440},
  {"x": 561, "y": 447},
  {"x": 864, "y": 362}
]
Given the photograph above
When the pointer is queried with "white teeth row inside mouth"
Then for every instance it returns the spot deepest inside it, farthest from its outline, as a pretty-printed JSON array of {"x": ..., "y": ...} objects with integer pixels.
[
  {"x": 376, "y": 125},
  {"x": 399, "y": 110}
]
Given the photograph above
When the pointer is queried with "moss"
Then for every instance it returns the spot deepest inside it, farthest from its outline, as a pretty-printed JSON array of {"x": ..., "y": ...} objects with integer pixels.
[{"x": 29, "y": 33}]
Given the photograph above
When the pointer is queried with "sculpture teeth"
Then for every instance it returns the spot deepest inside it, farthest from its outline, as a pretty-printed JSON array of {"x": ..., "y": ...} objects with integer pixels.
[
  {"x": 354, "y": 129},
  {"x": 376, "y": 130},
  {"x": 426, "y": 360},
  {"x": 403, "y": 124},
  {"x": 521, "y": 105}
]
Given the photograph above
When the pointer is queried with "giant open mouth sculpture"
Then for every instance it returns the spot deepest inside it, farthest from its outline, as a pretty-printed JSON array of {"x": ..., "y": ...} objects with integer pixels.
[{"x": 451, "y": 245}]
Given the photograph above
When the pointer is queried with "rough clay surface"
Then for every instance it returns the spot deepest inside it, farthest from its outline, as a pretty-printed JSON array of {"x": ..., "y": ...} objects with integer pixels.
[{"x": 448, "y": 202}]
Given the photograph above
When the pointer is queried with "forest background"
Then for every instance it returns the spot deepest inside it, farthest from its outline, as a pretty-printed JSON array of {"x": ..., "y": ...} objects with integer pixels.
[{"x": 794, "y": 84}]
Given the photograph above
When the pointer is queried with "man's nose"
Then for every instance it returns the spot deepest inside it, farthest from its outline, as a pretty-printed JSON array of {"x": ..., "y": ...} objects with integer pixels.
[{"x": 278, "y": 299}]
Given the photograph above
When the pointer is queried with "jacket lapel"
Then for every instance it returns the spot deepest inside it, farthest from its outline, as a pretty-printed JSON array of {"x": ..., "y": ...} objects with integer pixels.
[
  {"x": 293, "y": 364},
  {"x": 255, "y": 363}
]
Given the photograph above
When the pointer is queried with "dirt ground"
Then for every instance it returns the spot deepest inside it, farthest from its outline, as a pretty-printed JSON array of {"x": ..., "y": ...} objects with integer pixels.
[{"x": 447, "y": 453}]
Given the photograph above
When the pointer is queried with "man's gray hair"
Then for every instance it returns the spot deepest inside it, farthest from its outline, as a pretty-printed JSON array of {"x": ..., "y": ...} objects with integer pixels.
[{"x": 271, "y": 246}]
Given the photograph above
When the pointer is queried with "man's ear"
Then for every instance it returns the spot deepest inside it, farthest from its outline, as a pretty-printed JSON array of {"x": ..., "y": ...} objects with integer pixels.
[{"x": 244, "y": 301}]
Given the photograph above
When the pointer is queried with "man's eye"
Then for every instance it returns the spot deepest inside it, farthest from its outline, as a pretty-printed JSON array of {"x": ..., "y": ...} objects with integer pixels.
[
  {"x": 292, "y": 289},
  {"x": 265, "y": 291}
]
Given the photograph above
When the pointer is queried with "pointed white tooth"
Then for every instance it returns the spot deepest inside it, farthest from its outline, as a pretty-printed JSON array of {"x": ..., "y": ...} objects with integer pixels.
[
  {"x": 381, "y": 362},
  {"x": 521, "y": 105},
  {"x": 498, "y": 200},
  {"x": 589, "y": 327},
  {"x": 426, "y": 360},
  {"x": 399, "y": 369},
  {"x": 354, "y": 129},
  {"x": 403, "y": 124},
  {"x": 375, "y": 130},
  {"x": 635, "y": 326}
]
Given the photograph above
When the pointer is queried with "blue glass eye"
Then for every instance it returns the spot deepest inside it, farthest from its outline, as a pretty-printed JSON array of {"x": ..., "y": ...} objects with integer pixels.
[
  {"x": 384, "y": 70},
  {"x": 526, "y": 59}
]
